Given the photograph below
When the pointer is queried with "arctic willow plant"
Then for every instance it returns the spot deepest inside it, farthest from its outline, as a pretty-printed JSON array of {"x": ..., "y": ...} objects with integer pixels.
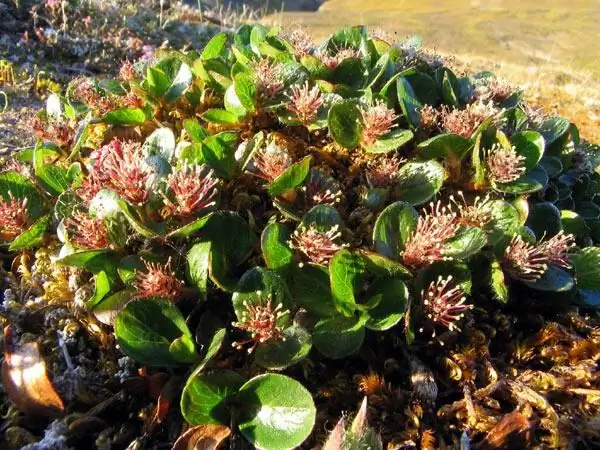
[{"x": 279, "y": 196}]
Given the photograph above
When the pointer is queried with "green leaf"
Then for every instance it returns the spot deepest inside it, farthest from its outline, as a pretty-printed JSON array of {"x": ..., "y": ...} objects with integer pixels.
[
  {"x": 22, "y": 188},
  {"x": 311, "y": 290},
  {"x": 196, "y": 131},
  {"x": 246, "y": 91},
  {"x": 315, "y": 67},
  {"x": 146, "y": 328},
  {"x": 390, "y": 296},
  {"x": 323, "y": 217},
  {"x": 442, "y": 145},
  {"x": 33, "y": 236},
  {"x": 533, "y": 181},
  {"x": 292, "y": 177},
  {"x": 390, "y": 142},
  {"x": 198, "y": 263},
  {"x": 180, "y": 83},
  {"x": 107, "y": 309},
  {"x": 189, "y": 229},
  {"x": 134, "y": 220},
  {"x": 216, "y": 47},
  {"x": 410, "y": 104},
  {"x": 458, "y": 270},
  {"x": 232, "y": 241},
  {"x": 349, "y": 73},
  {"x": 275, "y": 249},
  {"x": 573, "y": 223},
  {"x": 233, "y": 104},
  {"x": 257, "y": 287},
  {"x": 553, "y": 129},
  {"x": 382, "y": 266},
  {"x": 338, "y": 337},
  {"x": 505, "y": 220},
  {"x": 418, "y": 182},
  {"x": 220, "y": 116},
  {"x": 160, "y": 143},
  {"x": 553, "y": 280},
  {"x": 586, "y": 265},
  {"x": 53, "y": 179},
  {"x": 347, "y": 272},
  {"x": 530, "y": 145},
  {"x": 125, "y": 116},
  {"x": 544, "y": 219},
  {"x": 219, "y": 154},
  {"x": 392, "y": 229},
  {"x": 205, "y": 395},
  {"x": 344, "y": 125},
  {"x": 498, "y": 282},
  {"x": 80, "y": 136},
  {"x": 467, "y": 242},
  {"x": 275, "y": 412},
  {"x": 284, "y": 353},
  {"x": 157, "y": 82}
]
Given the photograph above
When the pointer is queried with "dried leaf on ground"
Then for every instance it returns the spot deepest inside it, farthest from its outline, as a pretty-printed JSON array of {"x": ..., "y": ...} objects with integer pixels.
[
  {"x": 26, "y": 380},
  {"x": 202, "y": 437}
]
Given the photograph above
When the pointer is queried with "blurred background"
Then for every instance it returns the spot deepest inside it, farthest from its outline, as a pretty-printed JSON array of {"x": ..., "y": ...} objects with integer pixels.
[{"x": 549, "y": 48}]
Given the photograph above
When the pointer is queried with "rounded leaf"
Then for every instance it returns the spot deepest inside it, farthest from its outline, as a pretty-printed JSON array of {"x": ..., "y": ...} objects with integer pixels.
[
  {"x": 275, "y": 249},
  {"x": 390, "y": 296},
  {"x": 343, "y": 121},
  {"x": 284, "y": 353},
  {"x": 146, "y": 328},
  {"x": 392, "y": 229},
  {"x": 418, "y": 181},
  {"x": 338, "y": 337},
  {"x": 204, "y": 397},
  {"x": 275, "y": 412}
]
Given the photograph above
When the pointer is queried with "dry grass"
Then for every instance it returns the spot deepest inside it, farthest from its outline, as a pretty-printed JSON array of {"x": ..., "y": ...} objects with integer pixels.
[{"x": 549, "y": 48}]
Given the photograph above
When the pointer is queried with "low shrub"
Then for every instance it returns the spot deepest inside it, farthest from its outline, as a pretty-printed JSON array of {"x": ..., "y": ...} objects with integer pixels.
[{"x": 237, "y": 206}]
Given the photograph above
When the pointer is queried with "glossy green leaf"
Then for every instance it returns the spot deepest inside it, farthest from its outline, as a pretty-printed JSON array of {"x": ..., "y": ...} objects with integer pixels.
[
  {"x": 418, "y": 182},
  {"x": 311, "y": 290},
  {"x": 467, "y": 242},
  {"x": 390, "y": 296},
  {"x": 125, "y": 116},
  {"x": 284, "y": 353},
  {"x": 292, "y": 177},
  {"x": 586, "y": 265},
  {"x": 390, "y": 142},
  {"x": 180, "y": 83},
  {"x": 220, "y": 116},
  {"x": 219, "y": 154},
  {"x": 146, "y": 328},
  {"x": 198, "y": 263},
  {"x": 442, "y": 145},
  {"x": 245, "y": 88},
  {"x": 392, "y": 229},
  {"x": 553, "y": 280},
  {"x": 530, "y": 145},
  {"x": 205, "y": 395},
  {"x": 338, "y": 337},
  {"x": 20, "y": 187},
  {"x": 33, "y": 236},
  {"x": 275, "y": 248},
  {"x": 275, "y": 412},
  {"x": 544, "y": 219},
  {"x": 347, "y": 272},
  {"x": 344, "y": 126}
]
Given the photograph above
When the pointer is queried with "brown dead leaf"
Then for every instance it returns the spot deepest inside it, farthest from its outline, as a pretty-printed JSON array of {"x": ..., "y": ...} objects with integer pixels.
[
  {"x": 511, "y": 432},
  {"x": 168, "y": 394},
  {"x": 26, "y": 381},
  {"x": 202, "y": 437}
]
